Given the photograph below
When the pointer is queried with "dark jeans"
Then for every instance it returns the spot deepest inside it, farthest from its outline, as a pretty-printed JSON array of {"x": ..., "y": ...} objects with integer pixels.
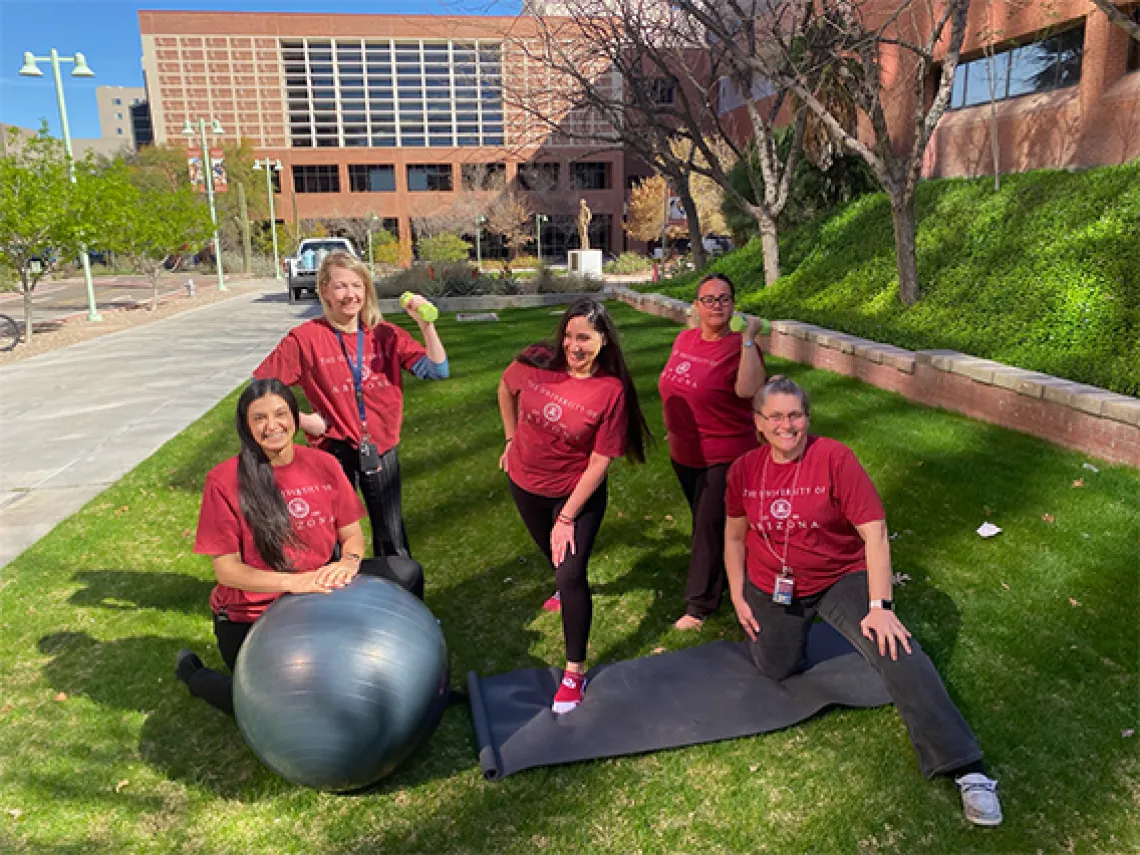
[
  {"x": 381, "y": 491},
  {"x": 538, "y": 515},
  {"x": 704, "y": 491},
  {"x": 939, "y": 734},
  {"x": 216, "y": 687}
]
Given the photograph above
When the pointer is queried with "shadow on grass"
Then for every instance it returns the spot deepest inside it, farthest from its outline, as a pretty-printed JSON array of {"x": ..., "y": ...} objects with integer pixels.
[{"x": 128, "y": 590}]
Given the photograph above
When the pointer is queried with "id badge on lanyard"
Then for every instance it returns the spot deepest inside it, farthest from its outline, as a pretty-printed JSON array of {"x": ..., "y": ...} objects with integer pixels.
[
  {"x": 369, "y": 455},
  {"x": 784, "y": 589}
]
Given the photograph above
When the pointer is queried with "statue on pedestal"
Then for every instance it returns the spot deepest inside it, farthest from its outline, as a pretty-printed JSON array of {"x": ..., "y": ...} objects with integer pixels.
[{"x": 584, "y": 217}]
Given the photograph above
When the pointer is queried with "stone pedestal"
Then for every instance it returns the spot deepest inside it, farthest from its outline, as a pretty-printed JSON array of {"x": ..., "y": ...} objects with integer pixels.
[{"x": 585, "y": 262}]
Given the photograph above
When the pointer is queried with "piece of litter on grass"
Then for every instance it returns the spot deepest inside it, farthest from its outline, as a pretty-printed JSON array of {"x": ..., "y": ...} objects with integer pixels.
[
  {"x": 669, "y": 517},
  {"x": 620, "y": 515},
  {"x": 900, "y": 578},
  {"x": 753, "y": 767},
  {"x": 15, "y": 813},
  {"x": 1075, "y": 603},
  {"x": 1127, "y": 732},
  {"x": 61, "y": 697},
  {"x": 119, "y": 786},
  {"x": 892, "y": 536},
  {"x": 1047, "y": 517},
  {"x": 1004, "y": 585},
  {"x": 1080, "y": 482},
  {"x": 507, "y": 581},
  {"x": 988, "y": 529},
  {"x": 1090, "y": 467},
  {"x": 658, "y": 649}
]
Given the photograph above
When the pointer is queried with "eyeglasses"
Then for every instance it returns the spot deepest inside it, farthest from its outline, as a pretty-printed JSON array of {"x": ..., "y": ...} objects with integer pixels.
[
  {"x": 719, "y": 300},
  {"x": 779, "y": 418}
]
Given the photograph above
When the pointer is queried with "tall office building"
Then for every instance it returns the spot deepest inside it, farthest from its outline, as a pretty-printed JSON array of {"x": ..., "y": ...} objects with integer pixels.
[
  {"x": 124, "y": 117},
  {"x": 392, "y": 116}
]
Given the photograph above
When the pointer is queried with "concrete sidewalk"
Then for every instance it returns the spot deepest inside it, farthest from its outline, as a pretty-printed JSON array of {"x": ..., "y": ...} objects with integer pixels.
[{"x": 77, "y": 419}]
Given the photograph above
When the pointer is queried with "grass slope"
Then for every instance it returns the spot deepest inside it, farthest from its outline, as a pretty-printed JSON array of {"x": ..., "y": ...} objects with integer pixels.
[
  {"x": 1034, "y": 632},
  {"x": 1044, "y": 274}
]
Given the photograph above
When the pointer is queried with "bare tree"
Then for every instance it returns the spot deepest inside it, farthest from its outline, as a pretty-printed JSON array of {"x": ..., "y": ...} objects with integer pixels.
[
  {"x": 509, "y": 215},
  {"x": 860, "y": 47}
]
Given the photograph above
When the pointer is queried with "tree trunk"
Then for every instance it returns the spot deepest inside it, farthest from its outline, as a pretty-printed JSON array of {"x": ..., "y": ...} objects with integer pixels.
[
  {"x": 246, "y": 237},
  {"x": 770, "y": 246},
  {"x": 27, "y": 312},
  {"x": 906, "y": 256},
  {"x": 696, "y": 238}
]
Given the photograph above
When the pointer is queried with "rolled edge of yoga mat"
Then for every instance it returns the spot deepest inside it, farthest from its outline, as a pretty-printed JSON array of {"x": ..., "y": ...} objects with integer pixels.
[{"x": 489, "y": 759}]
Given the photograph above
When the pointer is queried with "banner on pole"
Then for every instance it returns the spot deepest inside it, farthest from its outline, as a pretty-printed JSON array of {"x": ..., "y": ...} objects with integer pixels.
[
  {"x": 677, "y": 215},
  {"x": 217, "y": 164}
]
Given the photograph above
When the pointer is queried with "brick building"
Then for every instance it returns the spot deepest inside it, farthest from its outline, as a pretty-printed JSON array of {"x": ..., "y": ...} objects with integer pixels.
[{"x": 392, "y": 116}]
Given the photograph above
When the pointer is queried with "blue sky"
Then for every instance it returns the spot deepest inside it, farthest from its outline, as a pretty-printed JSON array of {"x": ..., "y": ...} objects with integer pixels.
[{"x": 107, "y": 33}]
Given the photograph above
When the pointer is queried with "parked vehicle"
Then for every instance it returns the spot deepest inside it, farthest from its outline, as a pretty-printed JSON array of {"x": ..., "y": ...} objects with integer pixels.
[
  {"x": 717, "y": 244},
  {"x": 301, "y": 269}
]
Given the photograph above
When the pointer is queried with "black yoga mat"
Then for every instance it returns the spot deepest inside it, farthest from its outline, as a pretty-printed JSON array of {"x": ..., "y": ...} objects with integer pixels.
[{"x": 685, "y": 697}]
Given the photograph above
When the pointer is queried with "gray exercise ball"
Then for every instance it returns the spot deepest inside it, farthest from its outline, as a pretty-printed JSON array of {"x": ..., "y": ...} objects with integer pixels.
[{"x": 333, "y": 691}]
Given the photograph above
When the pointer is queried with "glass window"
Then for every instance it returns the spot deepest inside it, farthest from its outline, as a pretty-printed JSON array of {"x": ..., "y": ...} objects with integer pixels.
[
  {"x": 590, "y": 176},
  {"x": 484, "y": 176},
  {"x": 319, "y": 178},
  {"x": 372, "y": 178},
  {"x": 538, "y": 176},
  {"x": 1050, "y": 63},
  {"x": 429, "y": 177}
]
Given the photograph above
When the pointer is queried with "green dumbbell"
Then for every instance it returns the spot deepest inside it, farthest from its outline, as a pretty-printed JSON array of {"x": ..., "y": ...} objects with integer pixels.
[
  {"x": 428, "y": 313},
  {"x": 739, "y": 324}
]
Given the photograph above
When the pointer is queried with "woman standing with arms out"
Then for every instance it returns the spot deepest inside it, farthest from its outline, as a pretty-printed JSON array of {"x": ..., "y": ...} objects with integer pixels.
[
  {"x": 568, "y": 411},
  {"x": 271, "y": 519},
  {"x": 706, "y": 390},
  {"x": 806, "y": 536},
  {"x": 349, "y": 364}
]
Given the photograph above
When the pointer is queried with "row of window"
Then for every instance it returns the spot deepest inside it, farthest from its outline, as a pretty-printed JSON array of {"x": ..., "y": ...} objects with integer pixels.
[
  {"x": 1041, "y": 66},
  {"x": 439, "y": 177},
  {"x": 356, "y": 93}
]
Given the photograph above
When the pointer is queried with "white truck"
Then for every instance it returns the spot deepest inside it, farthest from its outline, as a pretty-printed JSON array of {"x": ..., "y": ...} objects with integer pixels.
[{"x": 301, "y": 269}]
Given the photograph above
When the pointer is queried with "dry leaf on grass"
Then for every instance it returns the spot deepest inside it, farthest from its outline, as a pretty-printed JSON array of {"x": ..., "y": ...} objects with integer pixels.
[
  {"x": 1048, "y": 518},
  {"x": 1075, "y": 603},
  {"x": 669, "y": 517},
  {"x": 1004, "y": 585},
  {"x": 15, "y": 813},
  {"x": 1080, "y": 482},
  {"x": 61, "y": 697},
  {"x": 659, "y": 649},
  {"x": 119, "y": 786}
]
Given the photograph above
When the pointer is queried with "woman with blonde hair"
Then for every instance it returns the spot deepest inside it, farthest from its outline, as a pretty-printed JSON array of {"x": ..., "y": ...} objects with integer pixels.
[{"x": 349, "y": 364}]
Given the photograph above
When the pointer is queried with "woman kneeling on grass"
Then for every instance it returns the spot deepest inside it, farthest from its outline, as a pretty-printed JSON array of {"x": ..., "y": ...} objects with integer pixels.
[
  {"x": 806, "y": 535},
  {"x": 272, "y": 518},
  {"x": 568, "y": 410}
]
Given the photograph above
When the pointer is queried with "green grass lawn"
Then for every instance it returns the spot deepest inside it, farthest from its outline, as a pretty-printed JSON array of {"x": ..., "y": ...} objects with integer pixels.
[
  {"x": 1044, "y": 274},
  {"x": 1034, "y": 631}
]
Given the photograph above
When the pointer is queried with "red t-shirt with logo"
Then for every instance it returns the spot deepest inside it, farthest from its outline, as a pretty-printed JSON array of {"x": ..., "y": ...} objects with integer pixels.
[
  {"x": 311, "y": 356},
  {"x": 561, "y": 420},
  {"x": 816, "y": 510},
  {"x": 708, "y": 422},
  {"x": 320, "y": 502}
]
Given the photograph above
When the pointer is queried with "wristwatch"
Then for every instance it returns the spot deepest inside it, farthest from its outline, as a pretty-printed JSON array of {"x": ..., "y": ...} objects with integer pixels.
[{"x": 889, "y": 605}]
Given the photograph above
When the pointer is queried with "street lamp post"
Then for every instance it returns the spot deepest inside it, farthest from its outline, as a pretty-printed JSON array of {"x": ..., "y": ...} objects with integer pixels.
[
  {"x": 271, "y": 166},
  {"x": 479, "y": 220},
  {"x": 31, "y": 69},
  {"x": 208, "y": 169},
  {"x": 539, "y": 219},
  {"x": 372, "y": 219}
]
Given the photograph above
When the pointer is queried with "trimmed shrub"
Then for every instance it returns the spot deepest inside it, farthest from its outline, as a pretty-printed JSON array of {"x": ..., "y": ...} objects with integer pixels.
[
  {"x": 444, "y": 248},
  {"x": 629, "y": 262}
]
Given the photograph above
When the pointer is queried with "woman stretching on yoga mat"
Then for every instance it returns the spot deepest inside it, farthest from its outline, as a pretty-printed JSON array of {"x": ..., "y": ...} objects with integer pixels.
[
  {"x": 568, "y": 410},
  {"x": 271, "y": 519},
  {"x": 806, "y": 535}
]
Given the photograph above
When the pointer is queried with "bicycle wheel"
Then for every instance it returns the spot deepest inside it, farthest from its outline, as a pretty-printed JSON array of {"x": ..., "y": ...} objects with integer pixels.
[{"x": 9, "y": 333}]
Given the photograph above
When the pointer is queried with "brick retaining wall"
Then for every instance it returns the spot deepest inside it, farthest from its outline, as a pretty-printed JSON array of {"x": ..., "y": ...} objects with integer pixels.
[{"x": 1085, "y": 418}]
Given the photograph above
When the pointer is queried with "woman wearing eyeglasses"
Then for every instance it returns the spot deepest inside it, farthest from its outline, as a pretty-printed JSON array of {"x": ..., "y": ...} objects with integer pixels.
[
  {"x": 706, "y": 389},
  {"x": 806, "y": 536}
]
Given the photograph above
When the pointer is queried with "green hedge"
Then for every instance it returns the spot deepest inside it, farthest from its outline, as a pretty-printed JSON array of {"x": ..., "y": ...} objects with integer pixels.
[{"x": 1044, "y": 274}]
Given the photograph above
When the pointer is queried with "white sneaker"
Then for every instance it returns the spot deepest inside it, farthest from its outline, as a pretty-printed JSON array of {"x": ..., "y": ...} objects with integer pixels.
[{"x": 979, "y": 799}]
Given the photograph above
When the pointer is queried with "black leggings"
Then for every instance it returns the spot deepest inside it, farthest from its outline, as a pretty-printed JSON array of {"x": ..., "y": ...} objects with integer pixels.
[
  {"x": 216, "y": 687},
  {"x": 704, "y": 491},
  {"x": 539, "y": 514},
  {"x": 381, "y": 491}
]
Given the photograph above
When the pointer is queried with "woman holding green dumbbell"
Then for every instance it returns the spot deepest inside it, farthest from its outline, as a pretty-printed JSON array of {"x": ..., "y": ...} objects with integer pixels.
[
  {"x": 349, "y": 364},
  {"x": 706, "y": 389}
]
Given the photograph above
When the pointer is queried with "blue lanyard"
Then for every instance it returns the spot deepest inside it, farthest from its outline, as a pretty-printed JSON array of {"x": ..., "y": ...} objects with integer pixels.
[{"x": 357, "y": 369}]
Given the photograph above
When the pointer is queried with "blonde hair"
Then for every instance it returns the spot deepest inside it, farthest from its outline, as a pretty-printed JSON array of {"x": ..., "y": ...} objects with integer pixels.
[{"x": 370, "y": 313}]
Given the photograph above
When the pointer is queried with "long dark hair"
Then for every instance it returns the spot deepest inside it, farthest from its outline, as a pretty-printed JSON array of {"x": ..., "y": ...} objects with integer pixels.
[
  {"x": 261, "y": 501},
  {"x": 609, "y": 361}
]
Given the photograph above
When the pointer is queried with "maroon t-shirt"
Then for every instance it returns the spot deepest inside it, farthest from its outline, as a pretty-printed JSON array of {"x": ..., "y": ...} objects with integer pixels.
[
  {"x": 311, "y": 356},
  {"x": 320, "y": 502},
  {"x": 832, "y": 494},
  {"x": 561, "y": 421},
  {"x": 708, "y": 423}
]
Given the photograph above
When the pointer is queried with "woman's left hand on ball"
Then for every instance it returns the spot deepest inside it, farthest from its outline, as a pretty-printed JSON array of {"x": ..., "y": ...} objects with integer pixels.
[{"x": 337, "y": 574}]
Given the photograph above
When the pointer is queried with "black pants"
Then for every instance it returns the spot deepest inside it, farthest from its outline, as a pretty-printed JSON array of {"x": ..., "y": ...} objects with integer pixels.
[
  {"x": 381, "y": 492},
  {"x": 216, "y": 687},
  {"x": 940, "y": 736},
  {"x": 704, "y": 490},
  {"x": 539, "y": 514}
]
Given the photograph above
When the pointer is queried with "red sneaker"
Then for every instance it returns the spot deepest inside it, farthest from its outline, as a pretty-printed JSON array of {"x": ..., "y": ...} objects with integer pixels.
[
  {"x": 569, "y": 693},
  {"x": 553, "y": 603}
]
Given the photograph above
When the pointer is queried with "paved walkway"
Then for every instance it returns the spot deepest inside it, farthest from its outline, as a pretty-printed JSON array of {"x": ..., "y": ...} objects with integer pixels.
[{"x": 77, "y": 419}]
